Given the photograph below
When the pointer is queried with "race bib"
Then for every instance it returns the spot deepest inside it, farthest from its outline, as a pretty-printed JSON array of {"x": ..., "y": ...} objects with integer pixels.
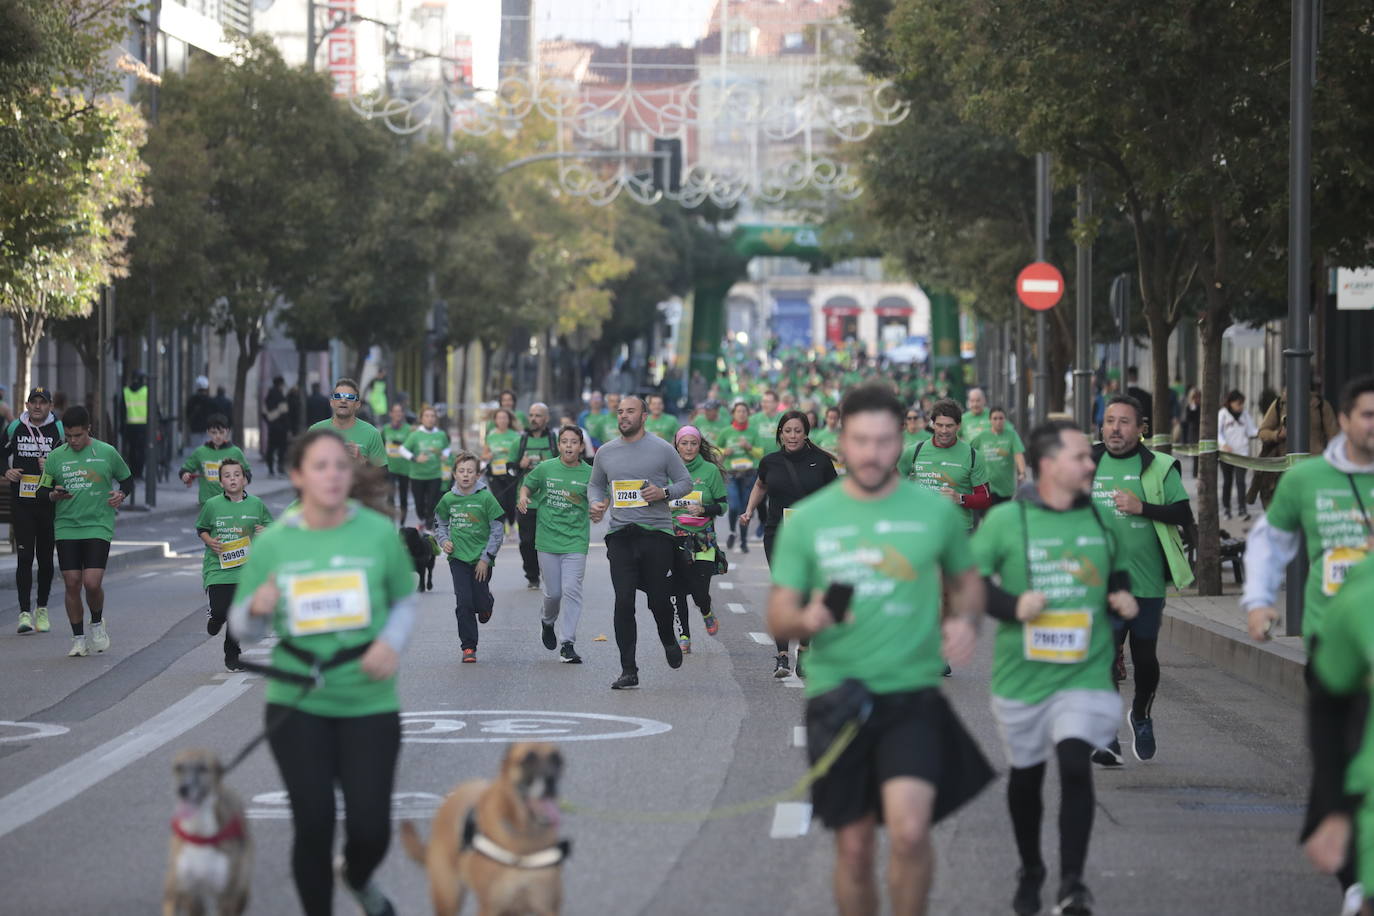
[
  {"x": 1336, "y": 562},
  {"x": 211, "y": 470},
  {"x": 1059, "y": 637},
  {"x": 625, "y": 494},
  {"x": 741, "y": 464},
  {"x": 684, "y": 502},
  {"x": 786, "y": 514},
  {"x": 393, "y": 450},
  {"x": 234, "y": 554},
  {"x": 839, "y": 467},
  {"x": 498, "y": 467},
  {"x": 28, "y": 486},
  {"x": 327, "y": 602}
]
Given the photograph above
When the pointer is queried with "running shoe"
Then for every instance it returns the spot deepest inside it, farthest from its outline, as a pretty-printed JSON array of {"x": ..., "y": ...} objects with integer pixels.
[
  {"x": 78, "y": 649},
  {"x": 1028, "y": 884},
  {"x": 212, "y": 625},
  {"x": 1074, "y": 898},
  {"x": 1109, "y": 756},
  {"x": 673, "y": 652},
  {"x": 370, "y": 899},
  {"x": 549, "y": 637},
  {"x": 781, "y": 666},
  {"x": 801, "y": 650},
  {"x": 1142, "y": 736},
  {"x": 625, "y": 681},
  {"x": 469, "y": 656},
  {"x": 485, "y": 614},
  {"x": 232, "y": 664},
  {"x": 568, "y": 655},
  {"x": 40, "y": 620},
  {"x": 712, "y": 624},
  {"x": 743, "y": 546},
  {"x": 730, "y": 541},
  {"x": 1354, "y": 900},
  {"x": 531, "y": 584},
  {"x": 25, "y": 622},
  {"x": 949, "y": 672},
  {"x": 100, "y": 640}
]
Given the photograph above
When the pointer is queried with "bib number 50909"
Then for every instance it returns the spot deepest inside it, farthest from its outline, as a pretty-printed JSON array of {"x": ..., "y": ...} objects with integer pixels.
[{"x": 328, "y": 602}]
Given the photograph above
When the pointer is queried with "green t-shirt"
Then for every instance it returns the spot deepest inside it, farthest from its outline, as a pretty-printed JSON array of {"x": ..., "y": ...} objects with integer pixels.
[
  {"x": 1315, "y": 498},
  {"x": 521, "y": 421},
  {"x": 740, "y": 449},
  {"x": 230, "y": 522},
  {"x": 91, "y": 476},
  {"x": 664, "y": 427},
  {"x": 827, "y": 439},
  {"x": 892, "y": 551},
  {"x": 563, "y": 525},
  {"x": 393, "y": 437},
  {"x": 537, "y": 445},
  {"x": 910, "y": 439},
  {"x": 974, "y": 425},
  {"x": 362, "y": 434},
  {"x": 716, "y": 430},
  {"x": 1135, "y": 534},
  {"x": 502, "y": 445},
  {"x": 1069, "y": 647},
  {"x": 603, "y": 426},
  {"x": 998, "y": 454},
  {"x": 765, "y": 429},
  {"x": 469, "y": 517},
  {"x": 1343, "y": 659},
  {"x": 708, "y": 488},
  {"x": 338, "y": 586},
  {"x": 205, "y": 461},
  {"x": 429, "y": 445},
  {"x": 957, "y": 467}
]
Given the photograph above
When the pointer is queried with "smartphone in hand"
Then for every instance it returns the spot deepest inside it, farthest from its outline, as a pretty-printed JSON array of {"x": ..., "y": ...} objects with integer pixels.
[{"x": 837, "y": 599}]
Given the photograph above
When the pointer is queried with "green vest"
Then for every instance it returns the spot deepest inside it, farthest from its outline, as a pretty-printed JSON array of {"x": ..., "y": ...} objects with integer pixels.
[
  {"x": 1170, "y": 538},
  {"x": 136, "y": 405}
]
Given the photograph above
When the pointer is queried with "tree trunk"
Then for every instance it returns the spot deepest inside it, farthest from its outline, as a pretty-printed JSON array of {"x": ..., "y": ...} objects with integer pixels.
[
  {"x": 302, "y": 370},
  {"x": 1161, "y": 424},
  {"x": 250, "y": 345},
  {"x": 28, "y": 331},
  {"x": 1214, "y": 324}
]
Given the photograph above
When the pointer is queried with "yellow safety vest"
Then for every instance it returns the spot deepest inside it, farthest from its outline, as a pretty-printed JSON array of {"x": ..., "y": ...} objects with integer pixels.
[{"x": 136, "y": 405}]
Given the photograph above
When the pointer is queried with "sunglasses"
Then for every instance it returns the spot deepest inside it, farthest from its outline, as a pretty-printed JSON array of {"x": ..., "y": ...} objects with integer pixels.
[{"x": 343, "y": 396}]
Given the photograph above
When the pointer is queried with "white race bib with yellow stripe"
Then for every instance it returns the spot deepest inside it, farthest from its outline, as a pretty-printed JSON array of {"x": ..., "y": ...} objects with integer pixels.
[
  {"x": 1336, "y": 562},
  {"x": 234, "y": 554},
  {"x": 684, "y": 502},
  {"x": 211, "y": 470},
  {"x": 626, "y": 494},
  {"x": 741, "y": 464},
  {"x": 327, "y": 602},
  {"x": 498, "y": 467},
  {"x": 393, "y": 450},
  {"x": 28, "y": 486},
  {"x": 1059, "y": 637}
]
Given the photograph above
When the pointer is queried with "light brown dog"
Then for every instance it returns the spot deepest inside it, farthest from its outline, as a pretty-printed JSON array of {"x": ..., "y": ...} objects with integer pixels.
[
  {"x": 499, "y": 838},
  {"x": 211, "y": 859}
]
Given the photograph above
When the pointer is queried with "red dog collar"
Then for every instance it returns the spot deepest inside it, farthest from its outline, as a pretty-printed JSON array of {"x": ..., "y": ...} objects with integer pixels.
[{"x": 230, "y": 831}]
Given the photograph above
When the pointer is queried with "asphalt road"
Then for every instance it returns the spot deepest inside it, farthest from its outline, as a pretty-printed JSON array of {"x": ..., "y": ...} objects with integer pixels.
[{"x": 86, "y": 745}]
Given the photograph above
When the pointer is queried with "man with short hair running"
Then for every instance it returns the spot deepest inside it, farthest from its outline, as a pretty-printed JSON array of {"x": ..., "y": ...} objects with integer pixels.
[
  {"x": 977, "y": 418},
  {"x": 363, "y": 440},
  {"x": 911, "y": 762},
  {"x": 1140, "y": 495},
  {"x": 28, "y": 442},
  {"x": 80, "y": 478},
  {"x": 663, "y": 425},
  {"x": 947, "y": 464},
  {"x": 635, "y": 477},
  {"x": 1059, "y": 575}
]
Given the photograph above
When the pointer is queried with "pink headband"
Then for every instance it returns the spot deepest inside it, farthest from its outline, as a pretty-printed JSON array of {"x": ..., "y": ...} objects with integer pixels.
[{"x": 688, "y": 430}]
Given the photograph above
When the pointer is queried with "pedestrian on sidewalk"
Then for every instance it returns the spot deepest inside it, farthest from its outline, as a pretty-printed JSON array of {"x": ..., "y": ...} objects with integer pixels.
[
  {"x": 635, "y": 477},
  {"x": 469, "y": 531},
  {"x": 562, "y": 537},
  {"x": 277, "y": 413},
  {"x": 205, "y": 462},
  {"x": 28, "y": 442},
  {"x": 199, "y": 407},
  {"x": 87, "y": 480},
  {"x": 1235, "y": 429},
  {"x": 698, "y": 556},
  {"x": 426, "y": 448},
  {"x": 896, "y": 546},
  {"x": 1060, "y": 579},
  {"x": 333, "y": 579},
  {"x": 227, "y": 524}
]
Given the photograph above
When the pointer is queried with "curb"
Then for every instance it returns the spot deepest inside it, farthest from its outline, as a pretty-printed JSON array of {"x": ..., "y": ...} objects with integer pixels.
[
  {"x": 137, "y": 553},
  {"x": 1273, "y": 666}
]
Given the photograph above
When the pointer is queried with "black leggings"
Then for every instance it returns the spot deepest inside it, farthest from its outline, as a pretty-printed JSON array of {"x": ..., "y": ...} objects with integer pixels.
[
  {"x": 1075, "y": 807},
  {"x": 399, "y": 496},
  {"x": 640, "y": 561},
  {"x": 1231, "y": 474},
  {"x": 1145, "y": 659},
  {"x": 314, "y": 754},
  {"x": 33, "y": 537},
  {"x": 221, "y": 596},
  {"x": 426, "y": 493},
  {"x": 505, "y": 491},
  {"x": 691, "y": 576},
  {"x": 768, "y": 536}
]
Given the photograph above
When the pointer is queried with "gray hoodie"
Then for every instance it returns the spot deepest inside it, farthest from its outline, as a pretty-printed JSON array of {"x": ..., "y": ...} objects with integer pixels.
[{"x": 498, "y": 528}]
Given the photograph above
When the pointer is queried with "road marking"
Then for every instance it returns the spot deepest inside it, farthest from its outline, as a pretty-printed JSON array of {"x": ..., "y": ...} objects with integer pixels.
[
  {"x": 404, "y": 805},
  {"x": 186, "y": 572},
  {"x": 149, "y": 575},
  {"x": 793, "y": 681},
  {"x": 737, "y": 608},
  {"x": 35, "y": 730},
  {"x": 790, "y": 820},
  {"x": 502, "y": 726},
  {"x": 762, "y": 639},
  {"x": 59, "y": 786},
  {"x": 799, "y": 736},
  {"x": 725, "y": 585}
]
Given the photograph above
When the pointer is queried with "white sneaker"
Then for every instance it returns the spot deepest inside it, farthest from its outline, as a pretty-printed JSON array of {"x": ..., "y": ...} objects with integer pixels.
[
  {"x": 100, "y": 640},
  {"x": 78, "y": 649},
  {"x": 1354, "y": 900}
]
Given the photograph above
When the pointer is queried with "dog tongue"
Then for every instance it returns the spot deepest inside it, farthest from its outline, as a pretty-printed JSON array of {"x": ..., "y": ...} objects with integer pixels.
[
  {"x": 548, "y": 810},
  {"x": 184, "y": 811}
]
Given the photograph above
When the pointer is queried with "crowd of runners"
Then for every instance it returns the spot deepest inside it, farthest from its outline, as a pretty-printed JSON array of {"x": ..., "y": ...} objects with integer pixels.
[{"x": 894, "y": 520}]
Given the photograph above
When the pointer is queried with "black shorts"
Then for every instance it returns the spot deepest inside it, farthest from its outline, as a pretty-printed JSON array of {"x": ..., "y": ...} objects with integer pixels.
[
  {"x": 85, "y": 553},
  {"x": 914, "y": 734}
]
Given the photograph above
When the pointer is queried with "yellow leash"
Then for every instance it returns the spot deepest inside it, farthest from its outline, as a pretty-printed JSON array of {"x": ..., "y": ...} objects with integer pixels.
[{"x": 818, "y": 769}]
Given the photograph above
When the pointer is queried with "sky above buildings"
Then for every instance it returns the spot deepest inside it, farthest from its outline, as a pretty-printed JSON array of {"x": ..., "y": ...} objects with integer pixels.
[{"x": 655, "y": 22}]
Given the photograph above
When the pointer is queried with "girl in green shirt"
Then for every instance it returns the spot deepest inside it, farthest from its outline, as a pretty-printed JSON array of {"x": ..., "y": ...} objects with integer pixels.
[
  {"x": 426, "y": 448},
  {"x": 394, "y": 435},
  {"x": 333, "y": 579},
  {"x": 498, "y": 451},
  {"x": 694, "y": 523}
]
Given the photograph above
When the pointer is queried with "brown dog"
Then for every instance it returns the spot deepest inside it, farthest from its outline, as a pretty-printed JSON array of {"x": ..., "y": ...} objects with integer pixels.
[
  {"x": 211, "y": 855},
  {"x": 499, "y": 838}
]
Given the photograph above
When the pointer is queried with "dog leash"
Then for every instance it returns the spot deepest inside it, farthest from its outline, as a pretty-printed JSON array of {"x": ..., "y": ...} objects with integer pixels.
[{"x": 823, "y": 764}]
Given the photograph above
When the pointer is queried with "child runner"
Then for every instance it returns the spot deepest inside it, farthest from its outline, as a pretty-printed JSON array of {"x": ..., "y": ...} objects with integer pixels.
[
  {"x": 694, "y": 525},
  {"x": 468, "y": 527},
  {"x": 426, "y": 448},
  {"x": 394, "y": 435},
  {"x": 205, "y": 462},
  {"x": 227, "y": 524}
]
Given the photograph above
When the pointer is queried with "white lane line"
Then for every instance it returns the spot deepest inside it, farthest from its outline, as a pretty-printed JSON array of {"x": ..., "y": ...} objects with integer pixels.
[
  {"x": 725, "y": 585},
  {"x": 794, "y": 681},
  {"x": 148, "y": 575},
  {"x": 762, "y": 639},
  {"x": 799, "y": 736},
  {"x": 59, "y": 786},
  {"x": 790, "y": 820},
  {"x": 737, "y": 608}
]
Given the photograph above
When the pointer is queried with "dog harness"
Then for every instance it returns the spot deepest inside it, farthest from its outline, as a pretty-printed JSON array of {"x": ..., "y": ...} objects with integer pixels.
[
  {"x": 230, "y": 831},
  {"x": 484, "y": 845}
]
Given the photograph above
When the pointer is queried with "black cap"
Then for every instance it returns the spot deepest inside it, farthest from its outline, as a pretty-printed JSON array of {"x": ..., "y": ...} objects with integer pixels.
[{"x": 39, "y": 392}]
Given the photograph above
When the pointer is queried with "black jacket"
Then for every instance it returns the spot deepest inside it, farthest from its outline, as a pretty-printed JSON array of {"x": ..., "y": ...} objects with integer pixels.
[{"x": 813, "y": 468}]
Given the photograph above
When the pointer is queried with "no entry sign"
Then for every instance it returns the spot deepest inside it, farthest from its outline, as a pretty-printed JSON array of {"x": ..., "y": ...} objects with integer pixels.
[{"x": 1040, "y": 286}]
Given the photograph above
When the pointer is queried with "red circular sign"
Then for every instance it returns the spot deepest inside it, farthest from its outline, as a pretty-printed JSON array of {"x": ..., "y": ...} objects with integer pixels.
[{"x": 1040, "y": 285}]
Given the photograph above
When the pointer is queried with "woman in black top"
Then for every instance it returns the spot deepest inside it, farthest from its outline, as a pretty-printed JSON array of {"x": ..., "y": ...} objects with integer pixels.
[{"x": 798, "y": 469}]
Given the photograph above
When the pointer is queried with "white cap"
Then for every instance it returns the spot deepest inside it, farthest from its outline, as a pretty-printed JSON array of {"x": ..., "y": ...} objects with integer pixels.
[{"x": 202, "y": 382}]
